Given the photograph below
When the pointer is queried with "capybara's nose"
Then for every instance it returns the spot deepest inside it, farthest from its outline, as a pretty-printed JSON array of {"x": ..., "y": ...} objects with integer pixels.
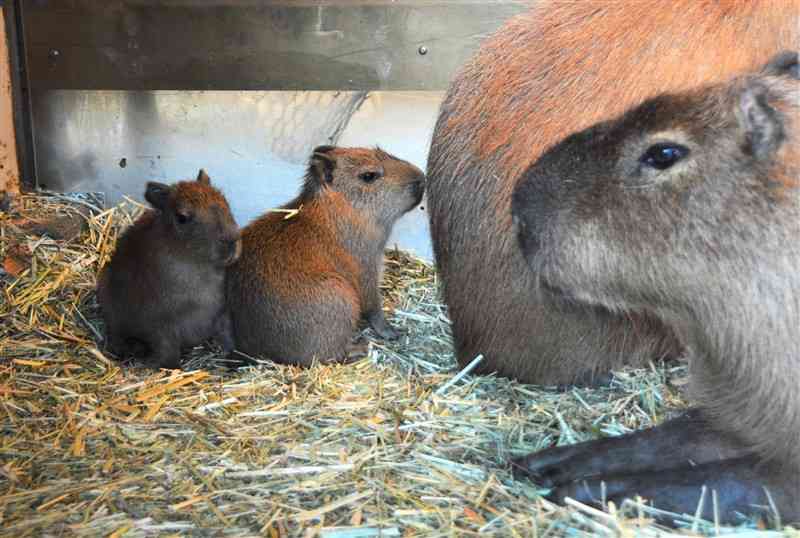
[
  {"x": 418, "y": 189},
  {"x": 234, "y": 248}
]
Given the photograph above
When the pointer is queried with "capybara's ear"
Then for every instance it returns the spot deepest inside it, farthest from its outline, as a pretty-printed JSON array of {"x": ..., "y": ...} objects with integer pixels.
[
  {"x": 203, "y": 178},
  {"x": 322, "y": 164},
  {"x": 323, "y": 149},
  {"x": 760, "y": 123},
  {"x": 157, "y": 194},
  {"x": 784, "y": 64}
]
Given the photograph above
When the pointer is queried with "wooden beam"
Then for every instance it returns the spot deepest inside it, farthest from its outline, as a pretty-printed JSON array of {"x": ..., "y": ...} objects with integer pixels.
[{"x": 9, "y": 167}]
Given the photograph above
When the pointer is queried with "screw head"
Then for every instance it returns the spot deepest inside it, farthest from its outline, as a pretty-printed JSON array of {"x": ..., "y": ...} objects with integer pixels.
[{"x": 423, "y": 50}]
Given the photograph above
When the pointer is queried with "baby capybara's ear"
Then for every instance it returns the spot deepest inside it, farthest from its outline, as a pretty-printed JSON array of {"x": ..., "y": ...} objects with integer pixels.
[
  {"x": 322, "y": 164},
  {"x": 760, "y": 124},
  {"x": 157, "y": 194},
  {"x": 203, "y": 178},
  {"x": 786, "y": 63}
]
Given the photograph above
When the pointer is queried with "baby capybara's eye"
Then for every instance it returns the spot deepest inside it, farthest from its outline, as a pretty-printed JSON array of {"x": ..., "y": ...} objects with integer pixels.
[
  {"x": 183, "y": 217},
  {"x": 368, "y": 177},
  {"x": 662, "y": 156}
]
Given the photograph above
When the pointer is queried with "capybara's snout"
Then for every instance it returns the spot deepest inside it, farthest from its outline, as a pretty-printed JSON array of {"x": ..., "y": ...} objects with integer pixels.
[
  {"x": 231, "y": 248},
  {"x": 418, "y": 190},
  {"x": 415, "y": 185}
]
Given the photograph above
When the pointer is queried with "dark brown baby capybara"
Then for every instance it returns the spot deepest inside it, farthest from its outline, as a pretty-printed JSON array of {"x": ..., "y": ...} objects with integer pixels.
[
  {"x": 303, "y": 282},
  {"x": 555, "y": 70},
  {"x": 164, "y": 286},
  {"x": 686, "y": 208}
]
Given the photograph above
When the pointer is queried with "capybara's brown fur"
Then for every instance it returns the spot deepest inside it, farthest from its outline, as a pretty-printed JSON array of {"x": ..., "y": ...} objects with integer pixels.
[
  {"x": 164, "y": 286},
  {"x": 304, "y": 281},
  {"x": 687, "y": 208},
  {"x": 552, "y": 71}
]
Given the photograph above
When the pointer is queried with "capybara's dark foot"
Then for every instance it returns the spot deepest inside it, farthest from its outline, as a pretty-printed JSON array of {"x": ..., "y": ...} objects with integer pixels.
[
  {"x": 125, "y": 349},
  {"x": 732, "y": 486},
  {"x": 387, "y": 332},
  {"x": 687, "y": 438},
  {"x": 667, "y": 465},
  {"x": 549, "y": 467},
  {"x": 166, "y": 353},
  {"x": 224, "y": 332},
  {"x": 173, "y": 363},
  {"x": 381, "y": 326}
]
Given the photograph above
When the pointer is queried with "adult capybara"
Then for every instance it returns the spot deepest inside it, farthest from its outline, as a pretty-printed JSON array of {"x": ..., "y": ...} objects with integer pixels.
[
  {"x": 303, "y": 282},
  {"x": 164, "y": 286},
  {"x": 686, "y": 208},
  {"x": 550, "y": 72}
]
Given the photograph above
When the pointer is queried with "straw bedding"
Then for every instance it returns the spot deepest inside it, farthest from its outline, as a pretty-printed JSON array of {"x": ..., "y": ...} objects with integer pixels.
[{"x": 393, "y": 444}]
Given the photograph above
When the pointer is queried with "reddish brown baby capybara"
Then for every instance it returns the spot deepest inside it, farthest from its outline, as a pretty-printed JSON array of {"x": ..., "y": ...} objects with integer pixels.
[
  {"x": 555, "y": 70},
  {"x": 686, "y": 208},
  {"x": 164, "y": 286},
  {"x": 303, "y": 282}
]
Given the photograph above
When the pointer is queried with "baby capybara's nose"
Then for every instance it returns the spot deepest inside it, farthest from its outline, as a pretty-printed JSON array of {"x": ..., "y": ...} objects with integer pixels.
[
  {"x": 418, "y": 189},
  {"x": 233, "y": 247}
]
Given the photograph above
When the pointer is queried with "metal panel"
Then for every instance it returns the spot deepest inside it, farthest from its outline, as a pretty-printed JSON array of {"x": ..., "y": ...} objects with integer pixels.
[
  {"x": 255, "y": 45},
  {"x": 124, "y": 91},
  {"x": 254, "y": 144},
  {"x": 114, "y": 141}
]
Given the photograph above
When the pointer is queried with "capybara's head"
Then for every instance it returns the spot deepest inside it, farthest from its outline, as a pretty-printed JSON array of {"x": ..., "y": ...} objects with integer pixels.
[
  {"x": 374, "y": 182},
  {"x": 198, "y": 217},
  {"x": 681, "y": 195}
]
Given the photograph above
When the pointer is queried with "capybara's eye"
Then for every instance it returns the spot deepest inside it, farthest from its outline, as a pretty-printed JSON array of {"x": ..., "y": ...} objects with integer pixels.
[
  {"x": 662, "y": 156},
  {"x": 368, "y": 177},
  {"x": 183, "y": 217}
]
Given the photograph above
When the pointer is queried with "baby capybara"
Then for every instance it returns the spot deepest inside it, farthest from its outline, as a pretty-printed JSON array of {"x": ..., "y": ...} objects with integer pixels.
[
  {"x": 686, "y": 208},
  {"x": 164, "y": 286},
  {"x": 545, "y": 74},
  {"x": 303, "y": 282}
]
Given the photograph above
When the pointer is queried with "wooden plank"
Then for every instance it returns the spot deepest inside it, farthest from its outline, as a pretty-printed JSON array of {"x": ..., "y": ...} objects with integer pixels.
[{"x": 9, "y": 167}]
